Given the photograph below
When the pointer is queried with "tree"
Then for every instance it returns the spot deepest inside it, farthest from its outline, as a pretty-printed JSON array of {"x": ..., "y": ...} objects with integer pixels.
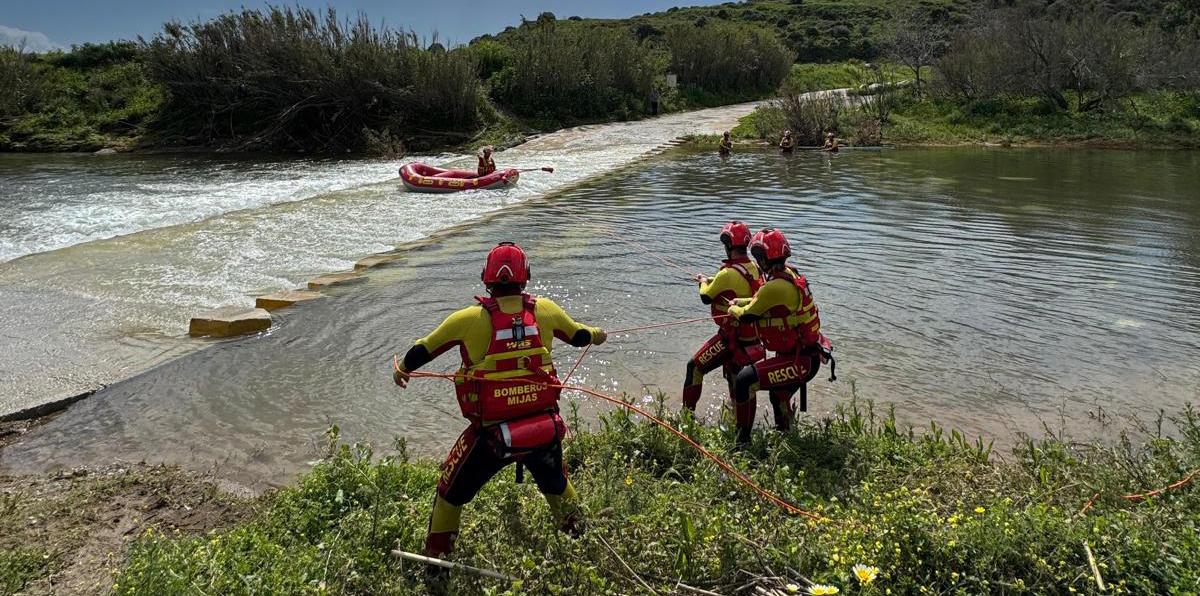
[{"x": 914, "y": 38}]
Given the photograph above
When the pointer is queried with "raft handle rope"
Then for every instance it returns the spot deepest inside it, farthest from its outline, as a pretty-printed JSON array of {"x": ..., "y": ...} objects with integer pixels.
[{"x": 722, "y": 464}]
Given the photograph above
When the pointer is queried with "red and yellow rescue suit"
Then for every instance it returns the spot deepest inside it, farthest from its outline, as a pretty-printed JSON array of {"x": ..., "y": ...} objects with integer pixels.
[
  {"x": 486, "y": 165},
  {"x": 789, "y": 326},
  {"x": 505, "y": 345},
  {"x": 734, "y": 345}
]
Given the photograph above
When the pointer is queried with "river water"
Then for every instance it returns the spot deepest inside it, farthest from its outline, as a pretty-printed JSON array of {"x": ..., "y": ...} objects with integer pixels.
[
  {"x": 109, "y": 256},
  {"x": 991, "y": 291}
]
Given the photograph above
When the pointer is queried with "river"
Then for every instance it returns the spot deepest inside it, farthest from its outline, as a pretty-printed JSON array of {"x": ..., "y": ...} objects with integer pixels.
[{"x": 994, "y": 291}]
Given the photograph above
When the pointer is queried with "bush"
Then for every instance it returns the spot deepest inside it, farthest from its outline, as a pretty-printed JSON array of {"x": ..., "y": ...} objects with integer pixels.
[
  {"x": 21, "y": 82},
  {"x": 293, "y": 80},
  {"x": 724, "y": 58},
  {"x": 574, "y": 72},
  {"x": 809, "y": 117}
]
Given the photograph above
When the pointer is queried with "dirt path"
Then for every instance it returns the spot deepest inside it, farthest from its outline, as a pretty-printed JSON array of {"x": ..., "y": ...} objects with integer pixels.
[{"x": 67, "y": 533}]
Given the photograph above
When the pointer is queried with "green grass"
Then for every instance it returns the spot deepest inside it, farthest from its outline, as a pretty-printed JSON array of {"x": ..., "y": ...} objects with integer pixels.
[
  {"x": 1146, "y": 120},
  {"x": 933, "y": 510},
  {"x": 841, "y": 75}
]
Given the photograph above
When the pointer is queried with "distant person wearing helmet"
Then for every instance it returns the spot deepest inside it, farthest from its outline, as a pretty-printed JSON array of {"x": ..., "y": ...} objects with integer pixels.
[
  {"x": 726, "y": 146},
  {"x": 788, "y": 325},
  {"x": 734, "y": 345},
  {"x": 831, "y": 144},
  {"x": 505, "y": 344},
  {"x": 486, "y": 164},
  {"x": 787, "y": 144}
]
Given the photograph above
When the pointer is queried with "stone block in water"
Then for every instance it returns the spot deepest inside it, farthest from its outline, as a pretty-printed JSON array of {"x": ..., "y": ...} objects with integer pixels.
[
  {"x": 229, "y": 321},
  {"x": 284, "y": 299},
  {"x": 374, "y": 261},
  {"x": 335, "y": 279}
]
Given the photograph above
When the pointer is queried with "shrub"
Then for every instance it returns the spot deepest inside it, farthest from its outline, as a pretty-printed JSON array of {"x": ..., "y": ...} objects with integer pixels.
[
  {"x": 724, "y": 58},
  {"x": 573, "y": 72},
  {"x": 292, "y": 79}
]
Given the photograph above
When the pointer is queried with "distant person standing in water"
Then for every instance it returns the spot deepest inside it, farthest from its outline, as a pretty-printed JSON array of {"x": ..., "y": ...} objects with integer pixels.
[
  {"x": 786, "y": 144},
  {"x": 831, "y": 143},
  {"x": 486, "y": 165},
  {"x": 726, "y": 146}
]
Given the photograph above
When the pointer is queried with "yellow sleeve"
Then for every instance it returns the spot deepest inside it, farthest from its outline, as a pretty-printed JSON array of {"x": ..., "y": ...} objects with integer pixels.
[
  {"x": 776, "y": 292},
  {"x": 556, "y": 323},
  {"x": 724, "y": 281},
  {"x": 469, "y": 327}
]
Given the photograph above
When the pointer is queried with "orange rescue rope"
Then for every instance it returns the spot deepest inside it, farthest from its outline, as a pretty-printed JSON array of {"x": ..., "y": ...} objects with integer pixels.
[
  {"x": 726, "y": 467},
  {"x": 1135, "y": 497}
]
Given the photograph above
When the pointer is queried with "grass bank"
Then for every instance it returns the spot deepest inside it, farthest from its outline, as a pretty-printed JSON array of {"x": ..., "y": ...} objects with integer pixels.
[
  {"x": 933, "y": 511},
  {"x": 1147, "y": 119}
]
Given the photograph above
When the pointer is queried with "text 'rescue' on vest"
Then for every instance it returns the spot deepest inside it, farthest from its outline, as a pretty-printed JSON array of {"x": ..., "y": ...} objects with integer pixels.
[
  {"x": 510, "y": 381},
  {"x": 783, "y": 330}
]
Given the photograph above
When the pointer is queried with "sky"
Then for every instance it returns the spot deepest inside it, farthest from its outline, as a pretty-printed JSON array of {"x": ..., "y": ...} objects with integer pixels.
[{"x": 50, "y": 24}]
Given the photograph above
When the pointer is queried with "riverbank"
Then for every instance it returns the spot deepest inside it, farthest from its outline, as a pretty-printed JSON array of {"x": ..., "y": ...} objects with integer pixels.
[
  {"x": 1164, "y": 120},
  {"x": 932, "y": 511}
]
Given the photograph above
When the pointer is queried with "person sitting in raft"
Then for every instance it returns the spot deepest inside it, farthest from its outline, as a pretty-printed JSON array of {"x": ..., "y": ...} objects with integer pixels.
[
  {"x": 505, "y": 343},
  {"x": 734, "y": 345},
  {"x": 786, "y": 144},
  {"x": 831, "y": 143},
  {"x": 486, "y": 165},
  {"x": 726, "y": 146},
  {"x": 788, "y": 325}
]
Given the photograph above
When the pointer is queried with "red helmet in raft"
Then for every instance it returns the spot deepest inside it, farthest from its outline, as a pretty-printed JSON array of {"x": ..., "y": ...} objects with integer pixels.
[
  {"x": 770, "y": 245},
  {"x": 506, "y": 264},
  {"x": 735, "y": 234}
]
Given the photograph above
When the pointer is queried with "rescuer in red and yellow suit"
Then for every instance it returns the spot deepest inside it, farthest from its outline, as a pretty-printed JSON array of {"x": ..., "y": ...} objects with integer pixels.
[
  {"x": 505, "y": 343},
  {"x": 789, "y": 326},
  {"x": 486, "y": 164},
  {"x": 734, "y": 345}
]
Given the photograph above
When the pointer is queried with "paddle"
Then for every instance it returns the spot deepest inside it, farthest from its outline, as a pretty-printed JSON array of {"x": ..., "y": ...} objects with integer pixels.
[{"x": 545, "y": 169}]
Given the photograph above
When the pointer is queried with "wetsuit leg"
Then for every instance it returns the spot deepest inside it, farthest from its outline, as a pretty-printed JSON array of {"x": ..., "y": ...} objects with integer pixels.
[
  {"x": 550, "y": 473},
  {"x": 745, "y": 385},
  {"x": 470, "y": 464},
  {"x": 711, "y": 355},
  {"x": 783, "y": 376}
]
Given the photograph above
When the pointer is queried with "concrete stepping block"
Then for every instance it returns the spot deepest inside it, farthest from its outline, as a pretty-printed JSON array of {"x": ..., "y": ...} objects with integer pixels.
[
  {"x": 374, "y": 261},
  {"x": 335, "y": 279},
  {"x": 229, "y": 321},
  {"x": 284, "y": 299}
]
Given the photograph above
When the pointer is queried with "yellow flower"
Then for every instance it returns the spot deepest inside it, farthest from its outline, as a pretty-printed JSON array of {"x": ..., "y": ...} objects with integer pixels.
[
  {"x": 823, "y": 590},
  {"x": 980, "y": 510},
  {"x": 792, "y": 588},
  {"x": 628, "y": 480},
  {"x": 865, "y": 574}
]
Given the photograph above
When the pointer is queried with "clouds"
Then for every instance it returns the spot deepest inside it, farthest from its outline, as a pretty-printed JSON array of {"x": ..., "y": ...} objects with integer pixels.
[{"x": 34, "y": 41}]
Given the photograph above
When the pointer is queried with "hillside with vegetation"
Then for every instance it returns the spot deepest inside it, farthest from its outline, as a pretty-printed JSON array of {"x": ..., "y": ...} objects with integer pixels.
[
  {"x": 1117, "y": 72},
  {"x": 292, "y": 79}
]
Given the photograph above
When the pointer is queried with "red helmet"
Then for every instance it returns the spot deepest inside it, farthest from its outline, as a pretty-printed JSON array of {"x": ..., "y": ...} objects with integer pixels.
[
  {"x": 770, "y": 245},
  {"x": 735, "y": 233},
  {"x": 505, "y": 264}
]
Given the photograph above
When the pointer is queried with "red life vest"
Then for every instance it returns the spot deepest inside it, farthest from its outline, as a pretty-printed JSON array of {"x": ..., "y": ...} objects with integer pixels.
[
  {"x": 783, "y": 330},
  {"x": 729, "y": 326},
  {"x": 510, "y": 381},
  {"x": 486, "y": 166}
]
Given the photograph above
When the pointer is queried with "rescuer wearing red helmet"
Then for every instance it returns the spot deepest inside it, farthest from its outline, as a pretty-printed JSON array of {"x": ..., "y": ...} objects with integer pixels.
[
  {"x": 502, "y": 389},
  {"x": 734, "y": 345},
  {"x": 788, "y": 325}
]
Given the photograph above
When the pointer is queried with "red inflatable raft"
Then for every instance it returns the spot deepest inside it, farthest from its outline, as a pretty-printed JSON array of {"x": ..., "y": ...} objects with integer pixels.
[{"x": 426, "y": 178}]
